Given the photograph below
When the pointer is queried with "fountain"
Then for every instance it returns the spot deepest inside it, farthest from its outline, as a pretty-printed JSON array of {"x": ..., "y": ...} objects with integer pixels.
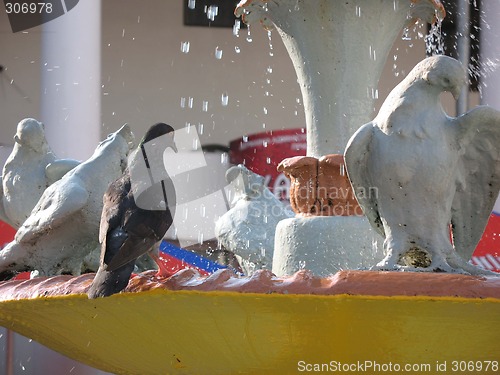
[
  {"x": 352, "y": 321},
  {"x": 338, "y": 76}
]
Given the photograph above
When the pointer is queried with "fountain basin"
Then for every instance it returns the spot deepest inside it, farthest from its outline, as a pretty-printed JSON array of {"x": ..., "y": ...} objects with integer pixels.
[{"x": 260, "y": 325}]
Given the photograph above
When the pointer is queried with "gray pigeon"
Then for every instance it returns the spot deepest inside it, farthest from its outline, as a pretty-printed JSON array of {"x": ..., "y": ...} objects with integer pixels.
[
  {"x": 138, "y": 210},
  {"x": 417, "y": 171},
  {"x": 62, "y": 228},
  {"x": 29, "y": 170}
]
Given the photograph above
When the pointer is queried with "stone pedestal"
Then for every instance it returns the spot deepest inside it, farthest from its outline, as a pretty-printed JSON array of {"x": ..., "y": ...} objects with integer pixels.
[{"x": 325, "y": 245}]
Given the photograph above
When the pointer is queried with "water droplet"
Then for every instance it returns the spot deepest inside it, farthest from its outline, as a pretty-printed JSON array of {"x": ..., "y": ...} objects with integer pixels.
[
  {"x": 205, "y": 106},
  {"x": 358, "y": 11},
  {"x": 196, "y": 144},
  {"x": 249, "y": 36},
  {"x": 212, "y": 12},
  {"x": 245, "y": 138},
  {"x": 268, "y": 160},
  {"x": 236, "y": 28},
  {"x": 237, "y": 49},
  {"x": 406, "y": 34},
  {"x": 218, "y": 53},
  {"x": 200, "y": 128},
  {"x": 265, "y": 143},
  {"x": 191, "y": 4},
  {"x": 190, "y": 102},
  {"x": 224, "y": 99},
  {"x": 183, "y": 102},
  {"x": 265, "y": 110},
  {"x": 185, "y": 47}
]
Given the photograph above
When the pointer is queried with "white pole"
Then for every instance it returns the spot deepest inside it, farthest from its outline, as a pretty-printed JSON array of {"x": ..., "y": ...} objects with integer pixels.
[
  {"x": 463, "y": 49},
  {"x": 490, "y": 53},
  {"x": 70, "y": 80}
]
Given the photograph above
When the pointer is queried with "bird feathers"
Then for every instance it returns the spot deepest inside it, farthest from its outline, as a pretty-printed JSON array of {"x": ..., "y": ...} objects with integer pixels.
[{"x": 478, "y": 134}]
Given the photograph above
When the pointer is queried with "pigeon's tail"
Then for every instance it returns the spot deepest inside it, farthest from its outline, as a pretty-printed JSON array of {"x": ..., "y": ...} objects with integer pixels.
[
  {"x": 107, "y": 282},
  {"x": 12, "y": 260}
]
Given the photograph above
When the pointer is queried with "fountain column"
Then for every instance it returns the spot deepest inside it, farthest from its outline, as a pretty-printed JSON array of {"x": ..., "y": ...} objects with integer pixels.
[
  {"x": 490, "y": 53},
  {"x": 338, "y": 49},
  {"x": 71, "y": 80}
]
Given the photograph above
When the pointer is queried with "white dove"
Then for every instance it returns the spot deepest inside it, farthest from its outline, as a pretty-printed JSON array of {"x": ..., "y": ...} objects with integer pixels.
[
  {"x": 29, "y": 170},
  {"x": 64, "y": 225},
  {"x": 248, "y": 228},
  {"x": 416, "y": 171}
]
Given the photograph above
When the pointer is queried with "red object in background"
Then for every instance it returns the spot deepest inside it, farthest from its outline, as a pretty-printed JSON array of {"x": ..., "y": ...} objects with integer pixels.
[
  {"x": 262, "y": 152},
  {"x": 7, "y": 234},
  {"x": 487, "y": 253}
]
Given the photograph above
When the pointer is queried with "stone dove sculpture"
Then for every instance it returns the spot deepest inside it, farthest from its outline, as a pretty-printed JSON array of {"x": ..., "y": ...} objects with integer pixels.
[
  {"x": 248, "y": 228},
  {"x": 416, "y": 171},
  {"x": 62, "y": 228},
  {"x": 29, "y": 170},
  {"x": 134, "y": 224}
]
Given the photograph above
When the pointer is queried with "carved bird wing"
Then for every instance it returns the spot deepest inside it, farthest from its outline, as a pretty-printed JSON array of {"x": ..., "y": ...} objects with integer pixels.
[
  {"x": 356, "y": 157},
  {"x": 3, "y": 216},
  {"x": 57, "y": 169},
  {"x": 478, "y": 180},
  {"x": 57, "y": 204}
]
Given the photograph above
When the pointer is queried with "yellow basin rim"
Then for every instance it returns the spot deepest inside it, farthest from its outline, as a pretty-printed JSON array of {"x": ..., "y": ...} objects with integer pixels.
[{"x": 191, "y": 332}]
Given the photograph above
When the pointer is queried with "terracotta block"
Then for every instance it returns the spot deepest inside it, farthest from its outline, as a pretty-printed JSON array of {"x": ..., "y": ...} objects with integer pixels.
[{"x": 320, "y": 187}]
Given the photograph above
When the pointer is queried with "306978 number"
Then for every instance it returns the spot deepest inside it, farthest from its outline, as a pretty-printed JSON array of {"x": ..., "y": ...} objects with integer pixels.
[
  {"x": 474, "y": 366},
  {"x": 28, "y": 8}
]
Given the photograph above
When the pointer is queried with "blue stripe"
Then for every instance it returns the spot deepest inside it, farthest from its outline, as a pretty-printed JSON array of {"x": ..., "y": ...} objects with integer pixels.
[{"x": 190, "y": 257}]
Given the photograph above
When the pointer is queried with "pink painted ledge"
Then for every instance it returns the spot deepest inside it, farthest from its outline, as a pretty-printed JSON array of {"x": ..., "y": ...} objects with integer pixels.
[{"x": 371, "y": 283}]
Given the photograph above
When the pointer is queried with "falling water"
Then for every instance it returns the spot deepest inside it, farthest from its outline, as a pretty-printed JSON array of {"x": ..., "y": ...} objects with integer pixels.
[
  {"x": 224, "y": 99},
  {"x": 185, "y": 47},
  {"x": 212, "y": 12},
  {"x": 434, "y": 41},
  {"x": 218, "y": 53}
]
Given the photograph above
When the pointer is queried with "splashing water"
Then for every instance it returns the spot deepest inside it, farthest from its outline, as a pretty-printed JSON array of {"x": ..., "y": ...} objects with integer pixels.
[
  {"x": 249, "y": 35},
  {"x": 269, "y": 38},
  {"x": 434, "y": 41},
  {"x": 191, "y": 4},
  {"x": 236, "y": 28}
]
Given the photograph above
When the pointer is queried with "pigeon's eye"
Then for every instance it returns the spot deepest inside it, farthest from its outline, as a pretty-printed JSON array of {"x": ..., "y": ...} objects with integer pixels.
[{"x": 446, "y": 81}]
